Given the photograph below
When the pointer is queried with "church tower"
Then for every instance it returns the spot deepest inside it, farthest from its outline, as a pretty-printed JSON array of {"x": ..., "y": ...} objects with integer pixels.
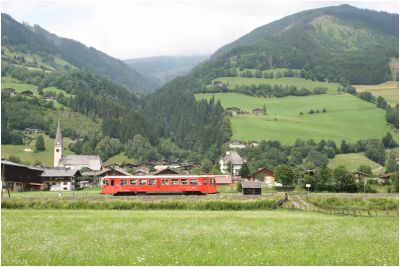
[{"x": 58, "y": 146}]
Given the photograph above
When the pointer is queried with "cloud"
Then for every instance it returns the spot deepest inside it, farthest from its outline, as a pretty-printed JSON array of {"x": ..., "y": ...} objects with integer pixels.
[{"x": 129, "y": 29}]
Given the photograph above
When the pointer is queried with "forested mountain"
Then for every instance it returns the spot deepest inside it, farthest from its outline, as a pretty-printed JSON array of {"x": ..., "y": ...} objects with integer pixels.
[
  {"x": 332, "y": 43},
  {"x": 163, "y": 69},
  {"x": 34, "y": 47}
]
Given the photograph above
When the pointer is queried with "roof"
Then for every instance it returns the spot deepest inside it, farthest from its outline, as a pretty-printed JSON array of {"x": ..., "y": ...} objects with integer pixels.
[
  {"x": 58, "y": 134},
  {"x": 261, "y": 170},
  {"x": 92, "y": 161},
  {"x": 165, "y": 171},
  {"x": 257, "y": 109},
  {"x": 10, "y": 163},
  {"x": 358, "y": 172},
  {"x": 387, "y": 175},
  {"x": 223, "y": 179},
  {"x": 233, "y": 157},
  {"x": 248, "y": 184},
  {"x": 60, "y": 173},
  {"x": 233, "y": 108},
  {"x": 161, "y": 176}
]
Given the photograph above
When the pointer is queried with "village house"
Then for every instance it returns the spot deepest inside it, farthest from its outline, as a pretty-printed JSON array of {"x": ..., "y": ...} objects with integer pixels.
[
  {"x": 28, "y": 93},
  {"x": 164, "y": 171},
  {"x": 60, "y": 179},
  {"x": 9, "y": 91},
  {"x": 237, "y": 144},
  {"x": 266, "y": 174},
  {"x": 31, "y": 131},
  {"x": 384, "y": 179},
  {"x": 223, "y": 179},
  {"x": 253, "y": 143},
  {"x": 111, "y": 170},
  {"x": 74, "y": 162},
  {"x": 17, "y": 177},
  {"x": 234, "y": 111},
  {"x": 233, "y": 159},
  {"x": 360, "y": 177},
  {"x": 257, "y": 111}
]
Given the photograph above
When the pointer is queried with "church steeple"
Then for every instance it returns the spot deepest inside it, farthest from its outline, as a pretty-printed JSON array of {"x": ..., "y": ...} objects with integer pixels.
[{"x": 58, "y": 146}]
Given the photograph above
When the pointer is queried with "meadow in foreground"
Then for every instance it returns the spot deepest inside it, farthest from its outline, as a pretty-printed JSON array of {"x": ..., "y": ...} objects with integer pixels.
[{"x": 78, "y": 237}]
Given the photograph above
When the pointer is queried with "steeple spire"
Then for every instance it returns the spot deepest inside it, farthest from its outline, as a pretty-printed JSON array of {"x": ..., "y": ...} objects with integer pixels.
[{"x": 58, "y": 134}]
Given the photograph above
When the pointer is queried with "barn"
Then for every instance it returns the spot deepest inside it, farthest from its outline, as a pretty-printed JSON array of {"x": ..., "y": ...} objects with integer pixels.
[{"x": 251, "y": 188}]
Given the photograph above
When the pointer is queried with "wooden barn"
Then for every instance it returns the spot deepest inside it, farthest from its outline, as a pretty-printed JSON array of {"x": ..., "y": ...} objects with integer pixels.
[
  {"x": 251, "y": 188},
  {"x": 17, "y": 177},
  {"x": 257, "y": 111},
  {"x": 266, "y": 174}
]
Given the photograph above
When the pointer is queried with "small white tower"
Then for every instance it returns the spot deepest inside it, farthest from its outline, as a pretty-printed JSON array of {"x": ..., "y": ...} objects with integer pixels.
[{"x": 58, "y": 146}]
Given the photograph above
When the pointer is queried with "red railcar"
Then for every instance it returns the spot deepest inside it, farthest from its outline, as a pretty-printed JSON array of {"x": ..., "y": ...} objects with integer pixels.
[{"x": 185, "y": 184}]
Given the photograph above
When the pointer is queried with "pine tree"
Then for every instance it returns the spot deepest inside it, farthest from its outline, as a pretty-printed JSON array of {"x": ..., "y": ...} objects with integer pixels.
[
  {"x": 40, "y": 144},
  {"x": 244, "y": 171}
]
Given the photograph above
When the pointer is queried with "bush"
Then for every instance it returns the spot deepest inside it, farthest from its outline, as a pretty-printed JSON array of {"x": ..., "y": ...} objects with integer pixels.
[
  {"x": 301, "y": 113},
  {"x": 311, "y": 111},
  {"x": 324, "y": 110}
]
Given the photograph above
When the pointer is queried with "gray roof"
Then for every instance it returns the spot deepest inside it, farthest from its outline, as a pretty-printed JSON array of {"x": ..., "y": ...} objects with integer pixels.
[
  {"x": 233, "y": 157},
  {"x": 249, "y": 184},
  {"x": 10, "y": 163},
  {"x": 59, "y": 173},
  {"x": 58, "y": 134},
  {"x": 92, "y": 161}
]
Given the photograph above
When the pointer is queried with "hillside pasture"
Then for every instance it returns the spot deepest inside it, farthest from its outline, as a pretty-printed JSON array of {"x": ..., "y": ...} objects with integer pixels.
[
  {"x": 45, "y": 157},
  {"x": 388, "y": 90},
  {"x": 232, "y": 82},
  {"x": 19, "y": 87},
  {"x": 112, "y": 237},
  {"x": 347, "y": 118},
  {"x": 353, "y": 160}
]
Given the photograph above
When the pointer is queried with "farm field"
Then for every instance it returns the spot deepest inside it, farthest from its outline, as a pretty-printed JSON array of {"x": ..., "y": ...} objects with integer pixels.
[
  {"x": 88, "y": 237},
  {"x": 231, "y": 82},
  {"x": 347, "y": 118},
  {"x": 45, "y": 157},
  {"x": 353, "y": 160},
  {"x": 119, "y": 159},
  {"x": 388, "y": 90}
]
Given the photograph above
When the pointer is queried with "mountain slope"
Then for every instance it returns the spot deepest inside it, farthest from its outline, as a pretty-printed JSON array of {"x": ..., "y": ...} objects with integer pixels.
[
  {"x": 21, "y": 41},
  {"x": 163, "y": 69}
]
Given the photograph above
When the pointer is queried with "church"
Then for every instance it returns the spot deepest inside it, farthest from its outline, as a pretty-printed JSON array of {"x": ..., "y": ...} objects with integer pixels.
[{"x": 73, "y": 162}]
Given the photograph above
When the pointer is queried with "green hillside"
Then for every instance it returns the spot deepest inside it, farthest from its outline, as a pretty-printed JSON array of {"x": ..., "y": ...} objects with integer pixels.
[
  {"x": 353, "y": 160},
  {"x": 347, "y": 118},
  {"x": 27, "y": 152},
  {"x": 388, "y": 90},
  {"x": 37, "y": 49}
]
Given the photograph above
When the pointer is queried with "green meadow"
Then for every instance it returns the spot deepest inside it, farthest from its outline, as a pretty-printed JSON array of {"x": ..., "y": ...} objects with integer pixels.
[
  {"x": 353, "y": 160},
  {"x": 347, "y": 118},
  {"x": 388, "y": 90},
  {"x": 168, "y": 237},
  {"x": 232, "y": 82}
]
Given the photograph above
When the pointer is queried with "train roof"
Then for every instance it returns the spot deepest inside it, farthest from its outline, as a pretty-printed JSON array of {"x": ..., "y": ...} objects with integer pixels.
[{"x": 160, "y": 176}]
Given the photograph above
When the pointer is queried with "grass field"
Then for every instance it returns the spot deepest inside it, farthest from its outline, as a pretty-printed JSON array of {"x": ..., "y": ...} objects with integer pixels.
[
  {"x": 298, "y": 82},
  {"x": 119, "y": 159},
  {"x": 388, "y": 90},
  {"x": 45, "y": 157},
  {"x": 353, "y": 160},
  {"x": 347, "y": 118},
  {"x": 87, "y": 237}
]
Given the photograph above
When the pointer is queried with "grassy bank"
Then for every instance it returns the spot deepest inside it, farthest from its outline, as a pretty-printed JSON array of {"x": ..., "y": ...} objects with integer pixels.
[
  {"x": 74, "y": 237},
  {"x": 355, "y": 203}
]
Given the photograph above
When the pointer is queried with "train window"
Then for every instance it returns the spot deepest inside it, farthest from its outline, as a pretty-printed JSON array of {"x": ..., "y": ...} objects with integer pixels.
[
  {"x": 143, "y": 182},
  {"x": 152, "y": 182},
  {"x": 212, "y": 181},
  {"x": 133, "y": 182},
  {"x": 193, "y": 181},
  {"x": 205, "y": 181},
  {"x": 112, "y": 182},
  {"x": 174, "y": 181},
  {"x": 184, "y": 181},
  {"x": 123, "y": 182},
  {"x": 105, "y": 182},
  {"x": 165, "y": 182}
]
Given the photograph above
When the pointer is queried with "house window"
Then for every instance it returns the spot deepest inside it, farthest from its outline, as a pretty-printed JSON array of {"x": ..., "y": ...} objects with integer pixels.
[
  {"x": 143, "y": 182},
  {"x": 57, "y": 150},
  {"x": 165, "y": 182},
  {"x": 133, "y": 182},
  {"x": 123, "y": 182},
  {"x": 184, "y": 181},
  {"x": 193, "y": 181},
  {"x": 152, "y": 182},
  {"x": 174, "y": 181},
  {"x": 65, "y": 188}
]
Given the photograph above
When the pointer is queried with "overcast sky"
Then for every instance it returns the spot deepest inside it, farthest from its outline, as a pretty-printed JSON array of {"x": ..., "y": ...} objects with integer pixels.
[{"x": 133, "y": 29}]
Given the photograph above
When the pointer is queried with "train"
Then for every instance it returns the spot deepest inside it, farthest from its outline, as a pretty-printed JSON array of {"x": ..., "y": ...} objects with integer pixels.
[{"x": 160, "y": 184}]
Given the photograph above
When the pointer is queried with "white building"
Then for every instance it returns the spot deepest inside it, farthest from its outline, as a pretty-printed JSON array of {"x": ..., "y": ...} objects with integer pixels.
[
  {"x": 60, "y": 179},
  {"x": 236, "y": 144},
  {"x": 231, "y": 158},
  {"x": 73, "y": 162}
]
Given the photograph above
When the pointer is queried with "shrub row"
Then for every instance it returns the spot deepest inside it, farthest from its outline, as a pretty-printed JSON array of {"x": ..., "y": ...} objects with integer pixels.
[{"x": 140, "y": 205}]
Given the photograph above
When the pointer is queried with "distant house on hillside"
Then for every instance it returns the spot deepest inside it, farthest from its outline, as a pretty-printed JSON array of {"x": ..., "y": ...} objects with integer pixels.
[
  {"x": 237, "y": 144},
  {"x": 9, "y": 91},
  {"x": 385, "y": 178},
  {"x": 253, "y": 143},
  {"x": 31, "y": 131},
  {"x": 267, "y": 175},
  {"x": 231, "y": 158},
  {"x": 27, "y": 93},
  {"x": 360, "y": 176},
  {"x": 257, "y": 111},
  {"x": 233, "y": 110}
]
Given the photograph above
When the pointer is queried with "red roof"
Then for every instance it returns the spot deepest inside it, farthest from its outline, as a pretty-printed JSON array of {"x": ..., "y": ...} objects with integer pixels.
[
  {"x": 387, "y": 175},
  {"x": 223, "y": 179}
]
